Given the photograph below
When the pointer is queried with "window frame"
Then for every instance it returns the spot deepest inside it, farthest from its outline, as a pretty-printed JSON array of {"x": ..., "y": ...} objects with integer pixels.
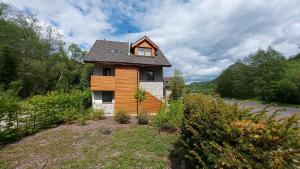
[
  {"x": 147, "y": 73},
  {"x": 144, "y": 51},
  {"x": 104, "y": 93},
  {"x": 106, "y": 70}
]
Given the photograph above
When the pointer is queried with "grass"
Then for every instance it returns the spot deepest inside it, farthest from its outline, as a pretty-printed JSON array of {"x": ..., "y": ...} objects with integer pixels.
[{"x": 73, "y": 146}]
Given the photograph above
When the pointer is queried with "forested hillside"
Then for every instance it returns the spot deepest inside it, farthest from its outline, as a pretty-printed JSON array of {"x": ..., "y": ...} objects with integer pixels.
[
  {"x": 208, "y": 87},
  {"x": 266, "y": 75},
  {"x": 35, "y": 59}
]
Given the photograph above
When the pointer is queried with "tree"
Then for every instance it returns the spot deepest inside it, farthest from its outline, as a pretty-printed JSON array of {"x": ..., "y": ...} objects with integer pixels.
[
  {"x": 140, "y": 96},
  {"x": 8, "y": 66},
  {"x": 177, "y": 85},
  {"x": 76, "y": 52}
]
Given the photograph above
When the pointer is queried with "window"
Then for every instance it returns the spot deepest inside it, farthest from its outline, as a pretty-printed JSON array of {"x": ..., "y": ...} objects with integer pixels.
[
  {"x": 107, "y": 72},
  {"x": 141, "y": 51},
  {"x": 144, "y": 51},
  {"x": 150, "y": 75},
  {"x": 147, "y": 52},
  {"x": 107, "y": 97},
  {"x": 97, "y": 95}
]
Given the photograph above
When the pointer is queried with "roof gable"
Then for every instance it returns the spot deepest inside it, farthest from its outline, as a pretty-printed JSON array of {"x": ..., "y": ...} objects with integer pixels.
[{"x": 142, "y": 40}]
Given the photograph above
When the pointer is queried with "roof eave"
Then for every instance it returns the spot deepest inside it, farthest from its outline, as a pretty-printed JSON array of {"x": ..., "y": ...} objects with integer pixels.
[{"x": 126, "y": 63}]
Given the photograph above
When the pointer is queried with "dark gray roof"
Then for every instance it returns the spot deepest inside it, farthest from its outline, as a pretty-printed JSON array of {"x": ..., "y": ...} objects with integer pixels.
[{"x": 114, "y": 52}]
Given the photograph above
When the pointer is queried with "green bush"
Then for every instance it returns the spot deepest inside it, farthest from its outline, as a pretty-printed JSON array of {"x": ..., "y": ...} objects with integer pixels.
[
  {"x": 39, "y": 112},
  {"x": 217, "y": 135},
  {"x": 169, "y": 117},
  {"x": 143, "y": 118},
  {"x": 9, "y": 113},
  {"x": 97, "y": 114},
  {"x": 122, "y": 117}
]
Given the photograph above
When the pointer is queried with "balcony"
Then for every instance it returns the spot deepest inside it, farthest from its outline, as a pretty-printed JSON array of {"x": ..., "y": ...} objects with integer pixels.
[{"x": 104, "y": 83}]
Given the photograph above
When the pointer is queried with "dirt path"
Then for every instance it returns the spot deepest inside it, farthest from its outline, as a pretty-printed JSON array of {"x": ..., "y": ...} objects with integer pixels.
[{"x": 284, "y": 110}]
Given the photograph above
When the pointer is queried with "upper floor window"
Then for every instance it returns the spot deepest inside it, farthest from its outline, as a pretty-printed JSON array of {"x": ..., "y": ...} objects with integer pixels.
[
  {"x": 141, "y": 51},
  {"x": 144, "y": 51},
  {"x": 107, "y": 72},
  {"x": 147, "y": 52},
  {"x": 150, "y": 75}
]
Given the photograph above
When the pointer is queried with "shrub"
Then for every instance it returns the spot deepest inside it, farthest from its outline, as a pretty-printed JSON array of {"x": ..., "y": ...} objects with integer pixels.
[
  {"x": 169, "y": 117},
  {"x": 39, "y": 112},
  {"x": 81, "y": 120},
  {"x": 217, "y": 135},
  {"x": 143, "y": 118},
  {"x": 122, "y": 117},
  {"x": 97, "y": 114},
  {"x": 9, "y": 113}
]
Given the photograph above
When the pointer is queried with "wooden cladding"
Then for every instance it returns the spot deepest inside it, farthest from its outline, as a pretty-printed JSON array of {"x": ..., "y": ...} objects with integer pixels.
[
  {"x": 126, "y": 86},
  {"x": 144, "y": 44},
  {"x": 103, "y": 83},
  {"x": 151, "y": 104}
]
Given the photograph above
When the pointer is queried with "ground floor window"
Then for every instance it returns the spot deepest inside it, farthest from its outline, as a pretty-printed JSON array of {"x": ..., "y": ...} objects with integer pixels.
[{"x": 107, "y": 97}]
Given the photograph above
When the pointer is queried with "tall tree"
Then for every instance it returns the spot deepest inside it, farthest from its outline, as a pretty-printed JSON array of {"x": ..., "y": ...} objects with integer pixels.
[{"x": 177, "y": 85}]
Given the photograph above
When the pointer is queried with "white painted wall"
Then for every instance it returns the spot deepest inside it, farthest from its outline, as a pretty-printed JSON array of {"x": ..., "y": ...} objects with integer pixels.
[
  {"x": 108, "y": 108},
  {"x": 155, "y": 87}
]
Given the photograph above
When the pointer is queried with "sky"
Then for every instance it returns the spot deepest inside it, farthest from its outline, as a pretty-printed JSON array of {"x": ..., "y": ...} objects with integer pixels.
[{"x": 201, "y": 38}]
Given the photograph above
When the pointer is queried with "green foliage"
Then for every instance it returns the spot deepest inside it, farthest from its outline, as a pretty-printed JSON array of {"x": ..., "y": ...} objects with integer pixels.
[
  {"x": 177, "y": 85},
  {"x": 217, "y": 135},
  {"x": 203, "y": 87},
  {"x": 123, "y": 117},
  {"x": 169, "y": 117},
  {"x": 266, "y": 75},
  {"x": 9, "y": 113},
  {"x": 140, "y": 95},
  {"x": 40, "y": 112},
  {"x": 29, "y": 52},
  {"x": 143, "y": 118},
  {"x": 97, "y": 114}
]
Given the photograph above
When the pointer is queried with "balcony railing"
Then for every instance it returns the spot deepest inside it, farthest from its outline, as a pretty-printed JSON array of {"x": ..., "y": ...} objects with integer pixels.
[{"x": 106, "y": 83}]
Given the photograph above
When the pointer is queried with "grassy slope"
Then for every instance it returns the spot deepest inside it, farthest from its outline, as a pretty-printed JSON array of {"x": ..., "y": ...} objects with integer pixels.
[{"x": 72, "y": 146}]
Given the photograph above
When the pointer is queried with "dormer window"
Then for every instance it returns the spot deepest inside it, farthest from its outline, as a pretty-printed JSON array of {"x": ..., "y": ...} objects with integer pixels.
[
  {"x": 141, "y": 51},
  {"x": 144, "y": 51},
  {"x": 147, "y": 52},
  {"x": 144, "y": 47}
]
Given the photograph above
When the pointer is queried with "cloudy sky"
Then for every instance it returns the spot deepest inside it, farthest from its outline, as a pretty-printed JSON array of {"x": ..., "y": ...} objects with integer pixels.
[{"x": 200, "y": 38}]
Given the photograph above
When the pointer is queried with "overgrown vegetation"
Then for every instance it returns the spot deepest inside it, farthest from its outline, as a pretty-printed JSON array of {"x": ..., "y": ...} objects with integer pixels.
[
  {"x": 169, "y": 117},
  {"x": 41, "y": 83},
  {"x": 177, "y": 85},
  {"x": 39, "y": 112},
  {"x": 29, "y": 52},
  {"x": 217, "y": 135},
  {"x": 122, "y": 116},
  {"x": 265, "y": 75}
]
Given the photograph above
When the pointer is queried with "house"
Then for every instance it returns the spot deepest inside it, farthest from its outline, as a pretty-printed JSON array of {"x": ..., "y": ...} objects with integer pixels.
[{"x": 120, "y": 68}]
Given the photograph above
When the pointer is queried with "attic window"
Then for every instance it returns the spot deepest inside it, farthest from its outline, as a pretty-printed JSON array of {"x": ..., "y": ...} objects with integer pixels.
[
  {"x": 147, "y": 52},
  {"x": 144, "y": 51}
]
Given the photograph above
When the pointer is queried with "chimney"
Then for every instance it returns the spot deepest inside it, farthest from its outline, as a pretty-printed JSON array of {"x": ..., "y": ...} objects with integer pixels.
[{"x": 129, "y": 42}]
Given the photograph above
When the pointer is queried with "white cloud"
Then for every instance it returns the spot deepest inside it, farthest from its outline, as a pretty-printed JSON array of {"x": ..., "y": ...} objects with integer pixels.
[{"x": 201, "y": 38}]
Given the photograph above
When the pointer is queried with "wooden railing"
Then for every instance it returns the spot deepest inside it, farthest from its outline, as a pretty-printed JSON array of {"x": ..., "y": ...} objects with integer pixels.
[{"x": 105, "y": 83}]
